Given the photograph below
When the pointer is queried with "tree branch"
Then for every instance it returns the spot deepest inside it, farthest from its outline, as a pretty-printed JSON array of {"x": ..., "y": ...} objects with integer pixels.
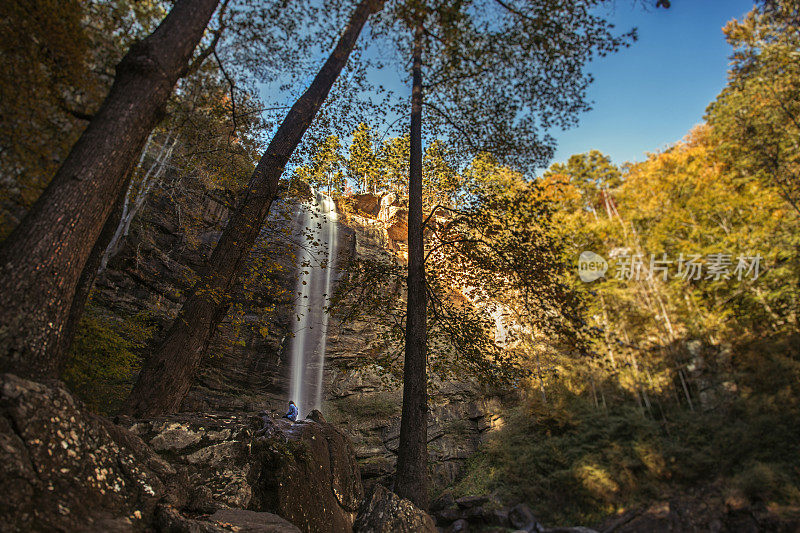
[
  {"x": 212, "y": 46},
  {"x": 513, "y": 10},
  {"x": 452, "y": 123},
  {"x": 231, "y": 86},
  {"x": 440, "y": 206}
]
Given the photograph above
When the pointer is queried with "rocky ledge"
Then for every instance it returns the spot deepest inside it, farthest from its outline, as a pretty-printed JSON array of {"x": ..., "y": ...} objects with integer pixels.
[
  {"x": 66, "y": 469},
  {"x": 305, "y": 472},
  {"x": 484, "y": 513}
]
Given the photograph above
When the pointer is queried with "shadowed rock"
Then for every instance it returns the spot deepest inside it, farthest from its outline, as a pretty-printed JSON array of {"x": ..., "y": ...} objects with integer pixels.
[
  {"x": 386, "y": 512},
  {"x": 64, "y": 468},
  {"x": 306, "y": 472},
  {"x": 521, "y": 517},
  {"x": 225, "y": 520}
]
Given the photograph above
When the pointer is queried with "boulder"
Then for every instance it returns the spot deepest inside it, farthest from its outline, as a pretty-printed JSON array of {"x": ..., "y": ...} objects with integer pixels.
[
  {"x": 459, "y": 526},
  {"x": 367, "y": 203},
  {"x": 169, "y": 520},
  {"x": 386, "y": 512},
  {"x": 316, "y": 416},
  {"x": 305, "y": 472},
  {"x": 500, "y": 518},
  {"x": 467, "y": 502},
  {"x": 478, "y": 515},
  {"x": 396, "y": 220},
  {"x": 64, "y": 468},
  {"x": 447, "y": 516},
  {"x": 216, "y": 456},
  {"x": 389, "y": 204},
  {"x": 443, "y": 501},
  {"x": 389, "y": 199},
  {"x": 253, "y": 522},
  {"x": 572, "y": 529},
  {"x": 521, "y": 517},
  {"x": 311, "y": 479}
]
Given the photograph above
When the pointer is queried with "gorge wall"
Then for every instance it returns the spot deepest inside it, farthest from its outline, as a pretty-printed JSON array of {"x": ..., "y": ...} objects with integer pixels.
[{"x": 248, "y": 367}]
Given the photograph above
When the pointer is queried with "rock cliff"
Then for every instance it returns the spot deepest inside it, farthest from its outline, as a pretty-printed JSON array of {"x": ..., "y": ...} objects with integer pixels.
[
  {"x": 248, "y": 368},
  {"x": 360, "y": 398}
]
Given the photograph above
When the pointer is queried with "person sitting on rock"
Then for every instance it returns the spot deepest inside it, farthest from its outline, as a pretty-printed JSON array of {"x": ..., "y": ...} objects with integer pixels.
[{"x": 292, "y": 413}]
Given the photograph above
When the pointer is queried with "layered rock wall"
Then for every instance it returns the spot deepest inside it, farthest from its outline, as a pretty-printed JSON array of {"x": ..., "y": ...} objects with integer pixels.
[{"x": 248, "y": 368}]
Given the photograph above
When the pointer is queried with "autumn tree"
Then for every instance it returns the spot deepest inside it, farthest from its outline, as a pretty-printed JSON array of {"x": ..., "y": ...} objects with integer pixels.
[
  {"x": 757, "y": 116},
  {"x": 591, "y": 173},
  {"x": 59, "y": 67},
  {"x": 681, "y": 232}
]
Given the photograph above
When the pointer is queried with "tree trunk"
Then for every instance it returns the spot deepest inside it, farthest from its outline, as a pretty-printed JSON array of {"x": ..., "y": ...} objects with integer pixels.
[
  {"x": 42, "y": 260},
  {"x": 412, "y": 458},
  {"x": 167, "y": 374},
  {"x": 90, "y": 271}
]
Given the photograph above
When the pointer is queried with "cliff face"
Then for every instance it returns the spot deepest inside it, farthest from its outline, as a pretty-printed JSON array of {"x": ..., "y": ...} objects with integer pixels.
[
  {"x": 245, "y": 369},
  {"x": 360, "y": 398},
  {"x": 248, "y": 365}
]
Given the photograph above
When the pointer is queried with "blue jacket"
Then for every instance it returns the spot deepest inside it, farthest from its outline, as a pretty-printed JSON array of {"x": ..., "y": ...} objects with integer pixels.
[{"x": 292, "y": 413}]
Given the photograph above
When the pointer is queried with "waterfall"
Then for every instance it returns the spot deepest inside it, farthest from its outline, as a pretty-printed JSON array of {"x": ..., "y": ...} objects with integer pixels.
[
  {"x": 315, "y": 261},
  {"x": 499, "y": 327}
]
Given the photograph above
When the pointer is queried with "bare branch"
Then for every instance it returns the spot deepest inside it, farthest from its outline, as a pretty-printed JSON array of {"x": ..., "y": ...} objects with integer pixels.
[
  {"x": 232, "y": 87},
  {"x": 452, "y": 123},
  {"x": 515, "y": 11}
]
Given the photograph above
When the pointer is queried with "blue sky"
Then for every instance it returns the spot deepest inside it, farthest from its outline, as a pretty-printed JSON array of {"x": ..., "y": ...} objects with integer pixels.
[
  {"x": 645, "y": 97},
  {"x": 648, "y": 96}
]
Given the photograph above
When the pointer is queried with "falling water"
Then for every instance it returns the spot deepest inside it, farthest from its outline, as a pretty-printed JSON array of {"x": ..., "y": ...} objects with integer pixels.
[
  {"x": 315, "y": 261},
  {"x": 499, "y": 327}
]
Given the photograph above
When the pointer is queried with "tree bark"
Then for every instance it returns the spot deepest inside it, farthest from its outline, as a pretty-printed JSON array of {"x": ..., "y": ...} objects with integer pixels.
[
  {"x": 167, "y": 374},
  {"x": 412, "y": 457},
  {"x": 42, "y": 260},
  {"x": 89, "y": 274}
]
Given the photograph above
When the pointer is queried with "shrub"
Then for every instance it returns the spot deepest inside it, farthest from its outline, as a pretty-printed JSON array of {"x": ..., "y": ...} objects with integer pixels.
[
  {"x": 103, "y": 359},
  {"x": 372, "y": 405}
]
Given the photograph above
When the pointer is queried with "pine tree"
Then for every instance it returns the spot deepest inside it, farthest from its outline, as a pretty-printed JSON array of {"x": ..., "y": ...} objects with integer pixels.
[
  {"x": 489, "y": 79},
  {"x": 362, "y": 163}
]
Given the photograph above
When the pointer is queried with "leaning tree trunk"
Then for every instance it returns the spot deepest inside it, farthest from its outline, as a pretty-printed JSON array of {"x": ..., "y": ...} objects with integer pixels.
[
  {"x": 42, "y": 260},
  {"x": 90, "y": 271},
  {"x": 167, "y": 374},
  {"x": 412, "y": 455}
]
